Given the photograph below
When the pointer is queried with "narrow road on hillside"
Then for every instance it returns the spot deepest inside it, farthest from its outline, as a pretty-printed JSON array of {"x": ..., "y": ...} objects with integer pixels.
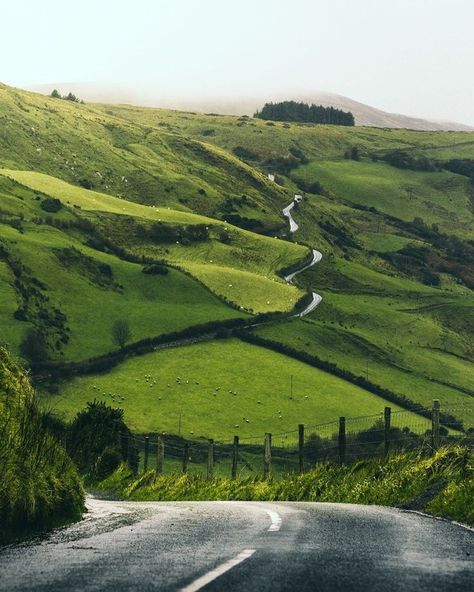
[
  {"x": 317, "y": 256},
  {"x": 235, "y": 546}
]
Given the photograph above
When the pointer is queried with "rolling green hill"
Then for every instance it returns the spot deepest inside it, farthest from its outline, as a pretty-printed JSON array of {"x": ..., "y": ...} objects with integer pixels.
[
  {"x": 246, "y": 387},
  {"x": 192, "y": 192}
]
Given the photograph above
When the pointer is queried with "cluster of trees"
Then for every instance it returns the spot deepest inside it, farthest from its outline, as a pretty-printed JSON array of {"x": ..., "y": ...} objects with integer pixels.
[
  {"x": 451, "y": 254},
  {"x": 461, "y": 167},
  {"x": 69, "y": 97},
  {"x": 51, "y": 205},
  {"x": 404, "y": 160},
  {"x": 160, "y": 232},
  {"x": 304, "y": 113}
]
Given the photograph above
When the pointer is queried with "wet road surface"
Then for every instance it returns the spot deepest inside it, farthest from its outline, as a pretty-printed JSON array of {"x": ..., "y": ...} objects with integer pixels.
[{"x": 244, "y": 546}]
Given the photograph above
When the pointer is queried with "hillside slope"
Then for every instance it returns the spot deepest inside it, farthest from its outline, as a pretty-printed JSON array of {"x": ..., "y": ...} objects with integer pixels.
[
  {"x": 365, "y": 115},
  {"x": 396, "y": 275}
]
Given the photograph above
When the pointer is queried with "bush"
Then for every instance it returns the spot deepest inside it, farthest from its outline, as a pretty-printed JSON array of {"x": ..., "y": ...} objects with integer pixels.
[
  {"x": 86, "y": 183},
  {"x": 155, "y": 269},
  {"x": 51, "y": 205},
  {"x": 34, "y": 347},
  {"x": 98, "y": 437},
  {"x": 108, "y": 462},
  {"x": 245, "y": 153}
]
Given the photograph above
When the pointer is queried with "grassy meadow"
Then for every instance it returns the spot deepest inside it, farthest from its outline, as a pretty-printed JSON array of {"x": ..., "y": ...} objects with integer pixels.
[
  {"x": 218, "y": 389},
  {"x": 396, "y": 298}
]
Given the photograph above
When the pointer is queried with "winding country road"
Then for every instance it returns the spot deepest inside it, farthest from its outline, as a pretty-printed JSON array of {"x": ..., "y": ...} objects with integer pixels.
[
  {"x": 317, "y": 256},
  {"x": 251, "y": 546}
]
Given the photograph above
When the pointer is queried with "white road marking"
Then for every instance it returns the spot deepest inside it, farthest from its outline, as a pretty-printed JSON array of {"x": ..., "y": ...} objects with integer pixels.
[
  {"x": 218, "y": 571},
  {"x": 276, "y": 521}
]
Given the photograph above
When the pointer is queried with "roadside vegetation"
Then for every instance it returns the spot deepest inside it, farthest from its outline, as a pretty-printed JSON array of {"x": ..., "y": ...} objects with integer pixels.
[
  {"x": 441, "y": 484},
  {"x": 39, "y": 484}
]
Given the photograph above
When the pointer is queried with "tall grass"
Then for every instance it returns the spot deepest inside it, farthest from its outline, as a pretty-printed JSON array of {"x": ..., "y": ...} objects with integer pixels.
[
  {"x": 442, "y": 484},
  {"x": 39, "y": 485}
]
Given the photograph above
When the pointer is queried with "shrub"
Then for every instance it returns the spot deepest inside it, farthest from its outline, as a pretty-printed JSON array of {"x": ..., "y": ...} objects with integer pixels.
[
  {"x": 155, "y": 269},
  {"x": 108, "y": 462},
  {"x": 86, "y": 183},
  {"x": 244, "y": 153},
  {"x": 99, "y": 439},
  {"x": 34, "y": 347},
  {"x": 51, "y": 205}
]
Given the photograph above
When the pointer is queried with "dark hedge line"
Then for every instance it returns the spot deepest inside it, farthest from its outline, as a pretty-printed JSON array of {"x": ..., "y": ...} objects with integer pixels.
[
  {"x": 360, "y": 381},
  {"x": 60, "y": 370}
]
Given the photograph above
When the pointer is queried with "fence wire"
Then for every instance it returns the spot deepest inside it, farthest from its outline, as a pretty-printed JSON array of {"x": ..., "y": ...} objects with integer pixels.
[{"x": 344, "y": 440}]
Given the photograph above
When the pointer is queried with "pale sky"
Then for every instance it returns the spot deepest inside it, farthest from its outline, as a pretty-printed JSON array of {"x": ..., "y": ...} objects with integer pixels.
[{"x": 407, "y": 56}]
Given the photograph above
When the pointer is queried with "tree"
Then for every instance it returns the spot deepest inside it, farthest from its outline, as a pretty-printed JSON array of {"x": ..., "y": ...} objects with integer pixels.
[
  {"x": 99, "y": 440},
  {"x": 55, "y": 94},
  {"x": 71, "y": 97},
  {"x": 51, "y": 204},
  {"x": 121, "y": 332},
  {"x": 33, "y": 346}
]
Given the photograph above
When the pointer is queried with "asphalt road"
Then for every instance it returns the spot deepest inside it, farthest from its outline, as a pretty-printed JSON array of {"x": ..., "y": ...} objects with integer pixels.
[
  {"x": 317, "y": 256},
  {"x": 246, "y": 546}
]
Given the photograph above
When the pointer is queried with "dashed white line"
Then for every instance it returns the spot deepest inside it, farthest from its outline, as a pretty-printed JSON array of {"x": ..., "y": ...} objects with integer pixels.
[
  {"x": 218, "y": 571},
  {"x": 276, "y": 521}
]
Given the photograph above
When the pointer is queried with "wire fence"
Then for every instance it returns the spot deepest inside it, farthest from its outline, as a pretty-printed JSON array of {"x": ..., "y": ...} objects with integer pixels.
[{"x": 342, "y": 441}]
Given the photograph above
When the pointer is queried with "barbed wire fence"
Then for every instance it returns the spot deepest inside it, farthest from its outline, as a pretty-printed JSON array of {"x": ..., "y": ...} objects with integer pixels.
[{"x": 343, "y": 441}]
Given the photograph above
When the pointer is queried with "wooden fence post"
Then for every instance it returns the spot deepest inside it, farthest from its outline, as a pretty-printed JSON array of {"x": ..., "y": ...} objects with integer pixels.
[
  {"x": 342, "y": 440},
  {"x": 387, "y": 417},
  {"x": 147, "y": 451},
  {"x": 235, "y": 457},
  {"x": 185, "y": 457},
  {"x": 435, "y": 424},
  {"x": 301, "y": 446},
  {"x": 210, "y": 459},
  {"x": 267, "y": 459},
  {"x": 160, "y": 455}
]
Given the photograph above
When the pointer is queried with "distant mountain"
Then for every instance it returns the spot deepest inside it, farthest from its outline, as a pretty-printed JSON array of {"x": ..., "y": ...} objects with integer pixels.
[
  {"x": 370, "y": 116},
  {"x": 365, "y": 115}
]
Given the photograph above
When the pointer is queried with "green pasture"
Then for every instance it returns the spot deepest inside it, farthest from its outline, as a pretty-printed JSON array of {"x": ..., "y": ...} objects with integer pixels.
[{"x": 218, "y": 389}]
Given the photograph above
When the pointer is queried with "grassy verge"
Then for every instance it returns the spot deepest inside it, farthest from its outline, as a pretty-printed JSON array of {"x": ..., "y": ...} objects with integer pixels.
[
  {"x": 442, "y": 484},
  {"x": 39, "y": 485}
]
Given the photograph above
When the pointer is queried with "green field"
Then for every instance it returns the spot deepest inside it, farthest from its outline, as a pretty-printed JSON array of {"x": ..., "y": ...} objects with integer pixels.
[
  {"x": 147, "y": 388},
  {"x": 438, "y": 197},
  {"x": 243, "y": 270},
  {"x": 396, "y": 275},
  {"x": 152, "y": 304}
]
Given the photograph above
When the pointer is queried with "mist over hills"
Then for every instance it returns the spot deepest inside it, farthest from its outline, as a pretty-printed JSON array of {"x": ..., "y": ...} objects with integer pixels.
[{"x": 365, "y": 115}]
